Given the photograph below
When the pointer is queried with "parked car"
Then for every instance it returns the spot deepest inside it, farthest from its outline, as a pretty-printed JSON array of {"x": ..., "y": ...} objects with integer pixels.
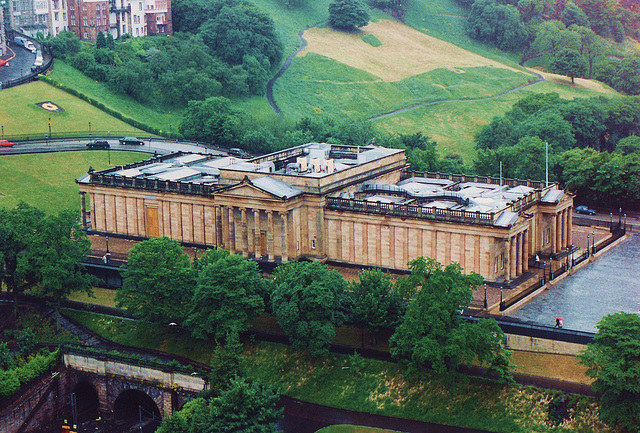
[
  {"x": 6, "y": 143},
  {"x": 585, "y": 210},
  {"x": 131, "y": 140},
  {"x": 239, "y": 153},
  {"x": 98, "y": 144}
]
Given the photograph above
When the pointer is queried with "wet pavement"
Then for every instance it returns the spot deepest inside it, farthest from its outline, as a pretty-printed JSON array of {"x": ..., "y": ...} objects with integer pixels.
[
  {"x": 18, "y": 66},
  {"x": 608, "y": 285}
]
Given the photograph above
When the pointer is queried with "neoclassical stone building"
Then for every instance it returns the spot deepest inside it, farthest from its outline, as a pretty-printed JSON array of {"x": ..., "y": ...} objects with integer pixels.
[{"x": 352, "y": 205}]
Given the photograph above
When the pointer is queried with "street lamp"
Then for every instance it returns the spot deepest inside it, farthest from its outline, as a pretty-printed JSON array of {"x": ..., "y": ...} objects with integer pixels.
[
  {"x": 89, "y": 129},
  {"x": 49, "y": 126},
  {"x": 106, "y": 238},
  {"x": 486, "y": 303},
  {"x": 593, "y": 242},
  {"x": 3, "y": 132},
  {"x": 588, "y": 244}
]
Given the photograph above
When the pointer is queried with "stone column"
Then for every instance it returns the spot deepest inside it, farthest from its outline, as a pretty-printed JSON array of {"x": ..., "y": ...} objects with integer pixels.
[
  {"x": 519, "y": 252},
  {"x": 285, "y": 237},
  {"x": 512, "y": 257},
  {"x": 244, "y": 243},
  {"x": 565, "y": 226},
  {"x": 507, "y": 244},
  {"x": 256, "y": 233},
  {"x": 570, "y": 226},
  {"x": 554, "y": 230},
  {"x": 558, "y": 233},
  {"x": 224, "y": 227},
  {"x": 270, "y": 236},
  {"x": 83, "y": 203},
  {"x": 525, "y": 254},
  {"x": 232, "y": 231}
]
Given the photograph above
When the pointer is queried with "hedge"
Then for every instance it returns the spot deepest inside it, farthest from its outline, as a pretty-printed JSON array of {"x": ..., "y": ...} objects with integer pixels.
[
  {"x": 10, "y": 380},
  {"x": 99, "y": 105}
]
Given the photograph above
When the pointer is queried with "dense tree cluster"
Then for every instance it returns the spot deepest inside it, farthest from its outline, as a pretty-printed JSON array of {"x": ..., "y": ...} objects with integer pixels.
[
  {"x": 592, "y": 143},
  {"x": 43, "y": 253},
  {"x": 612, "y": 360},
  {"x": 227, "y": 47},
  {"x": 570, "y": 35},
  {"x": 433, "y": 336}
]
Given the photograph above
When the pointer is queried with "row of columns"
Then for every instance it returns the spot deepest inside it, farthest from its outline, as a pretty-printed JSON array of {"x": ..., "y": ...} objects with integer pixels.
[
  {"x": 518, "y": 254},
  {"x": 562, "y": 226},
  {"x": 238, "y": 237}
]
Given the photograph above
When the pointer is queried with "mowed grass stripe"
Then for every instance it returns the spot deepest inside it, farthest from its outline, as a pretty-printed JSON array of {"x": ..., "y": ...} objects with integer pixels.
[
  {"x": 314, "y": 84},
  {"x": 47, "y": 180},
  {"x": 20, "y": 115},
  {"x": 454, "y": 124}
]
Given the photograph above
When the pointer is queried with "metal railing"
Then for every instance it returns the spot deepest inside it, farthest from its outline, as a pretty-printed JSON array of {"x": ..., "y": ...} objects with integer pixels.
[
  {"x": 409, "y": 211},
  {"x": 477, "y": 179}
]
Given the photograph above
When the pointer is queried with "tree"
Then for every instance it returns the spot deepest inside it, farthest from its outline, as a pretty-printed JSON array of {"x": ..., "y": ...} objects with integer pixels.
[
  {"x": 569, "y": 62},
  {"x": 374, "y": 301},
  {"x": 17, "y": 230},
  {"x": 226, "y": 364},
  {"x": 55, "y": 257},
  {"x": 306, "y": 303},
  {"x": 612, "y": 360},
  {"x": 101, "y": 41},
  {"x": 627, "y": 77},
  {"x": 496, "y": 23},
  {"x": 348, "y": 14},
  {"x": 573, "y": 15},
  {"x": 212, "y": 120},
  {"x": 158, "y": 281},
  {"x": 433, "y": 336},
  {"x": 228, "y": 294}
]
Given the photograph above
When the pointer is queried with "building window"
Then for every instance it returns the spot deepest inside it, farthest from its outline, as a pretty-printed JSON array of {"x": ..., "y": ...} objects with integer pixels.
[
  {"x": 495, "y": 265},
  {"x": 501, "y": 261},
  {"x": 55, "y": 16},
  {"x": 313, "y": 244}
]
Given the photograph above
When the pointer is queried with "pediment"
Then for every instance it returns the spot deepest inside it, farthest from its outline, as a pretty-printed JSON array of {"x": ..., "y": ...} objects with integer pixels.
[{"x": 247, "y": 190}]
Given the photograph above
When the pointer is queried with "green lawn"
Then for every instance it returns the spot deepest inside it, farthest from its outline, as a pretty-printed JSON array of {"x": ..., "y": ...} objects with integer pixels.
[
  {"x": 20, "y": 115},
  {"x": 47, "y": 180},
  {"x": 101, "y": 296},
  {"x": 161, "y": 117}
]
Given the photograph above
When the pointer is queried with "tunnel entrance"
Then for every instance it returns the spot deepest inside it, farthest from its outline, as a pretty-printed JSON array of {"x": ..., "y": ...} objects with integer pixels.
[
  {"x": 135, "y": 408},
  {"x": 86, "y": 403}
]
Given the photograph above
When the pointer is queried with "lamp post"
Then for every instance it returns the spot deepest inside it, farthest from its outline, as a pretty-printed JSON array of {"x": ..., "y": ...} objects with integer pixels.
[
  {"x": 49, "y": 126},
  {"x": 106, "y": 238},
  {"x": 501, "y": 300},
  {"x": 89, "y": 129},
  {"x": 593, "y": 242},
  {"x": 3, "y": 132},
  {"x": 588, "y": 245},
  {"x": 486, "y": 303}
]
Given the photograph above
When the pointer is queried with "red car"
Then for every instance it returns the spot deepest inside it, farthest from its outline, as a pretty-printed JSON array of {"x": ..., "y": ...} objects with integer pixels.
[{"x": 6, "y": 143}]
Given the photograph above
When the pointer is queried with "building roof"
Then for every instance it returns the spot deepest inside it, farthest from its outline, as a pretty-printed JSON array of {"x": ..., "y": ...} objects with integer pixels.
[{"x": 275, "y": 187}]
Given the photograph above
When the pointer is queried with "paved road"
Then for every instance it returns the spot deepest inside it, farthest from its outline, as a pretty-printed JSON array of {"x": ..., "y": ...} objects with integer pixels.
[
  {"x": 161, "y": 147},
  {"x": 19, "y": 65}
]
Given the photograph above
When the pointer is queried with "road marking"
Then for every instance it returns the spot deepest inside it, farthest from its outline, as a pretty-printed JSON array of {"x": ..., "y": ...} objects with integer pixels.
[{"x": 13, "y": 52}]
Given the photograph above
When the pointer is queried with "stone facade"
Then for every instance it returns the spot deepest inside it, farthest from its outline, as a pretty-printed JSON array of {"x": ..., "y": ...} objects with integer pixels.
[
  {"x": 88, "y": 17},
  {"x": 364, "y": 213}
]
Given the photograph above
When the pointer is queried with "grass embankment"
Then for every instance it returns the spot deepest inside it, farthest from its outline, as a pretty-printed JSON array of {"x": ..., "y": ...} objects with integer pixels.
[
  {"x": 20, "y": 115},
  {"x": 368, "y": 385},
  {"x": 46, "y": 180},
  {"x": 158, "y": 116}
]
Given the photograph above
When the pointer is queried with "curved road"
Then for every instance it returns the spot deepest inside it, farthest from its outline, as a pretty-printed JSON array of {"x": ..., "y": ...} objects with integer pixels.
[
  {"x": 303, "y": 44},
  {"x": 152, "y": 145}
]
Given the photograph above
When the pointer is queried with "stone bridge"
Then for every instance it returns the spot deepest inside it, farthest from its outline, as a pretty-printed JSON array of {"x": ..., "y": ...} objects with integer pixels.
[{"x": 104, "y": 388}]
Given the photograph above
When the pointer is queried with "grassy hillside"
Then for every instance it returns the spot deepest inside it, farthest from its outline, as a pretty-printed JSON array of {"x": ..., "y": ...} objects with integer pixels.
[
  {"x": 20, "y": 115},
  {"x": 342, "y": 75},
  {"x": 159, "y": 117},
  {"x": 453, "y": 124},
  {"x": 47, "y": 180}
]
